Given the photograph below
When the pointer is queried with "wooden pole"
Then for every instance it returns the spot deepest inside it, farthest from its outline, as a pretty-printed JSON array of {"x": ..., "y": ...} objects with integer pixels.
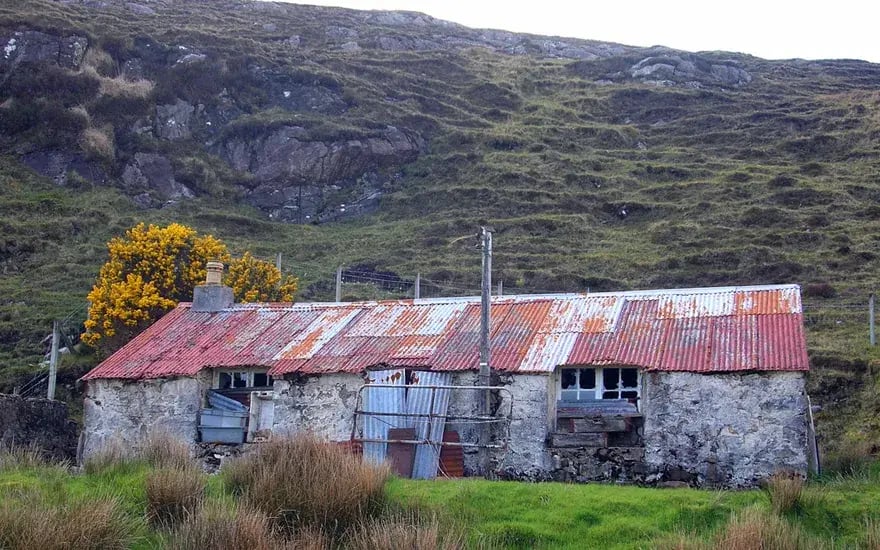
[
  {"x": 873, "y": 336},
  {"x": 500, "y": 288},
  {"x": 339, "y": 284},
  {"x": 53, "y": 360},
  {"x": 417, "y": 293},
  {"x": 485, "y": 369},
  {"x": 278, "y": 261}
]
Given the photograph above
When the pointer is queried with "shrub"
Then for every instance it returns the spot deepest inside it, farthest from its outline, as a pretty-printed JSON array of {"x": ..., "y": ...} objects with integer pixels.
[
  {"x": 820, "y": 290},
  {"x": 785, "y": 491},
  {"x": 98, "y": 142},
  {"x": 32, "y": 523},
  {"x": 404, "y": 532},
  {"x": 309, "y": 482},
  {"x": 173, "y": 495}
]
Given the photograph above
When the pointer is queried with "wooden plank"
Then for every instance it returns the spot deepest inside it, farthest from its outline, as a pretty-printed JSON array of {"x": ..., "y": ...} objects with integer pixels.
[
  {"x": 560, "y": 439},
  {"x": 599, "y": 424}
]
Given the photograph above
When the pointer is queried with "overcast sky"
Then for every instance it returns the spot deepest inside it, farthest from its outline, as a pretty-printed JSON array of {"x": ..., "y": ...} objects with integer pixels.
[{"x": 769, "y": 28}]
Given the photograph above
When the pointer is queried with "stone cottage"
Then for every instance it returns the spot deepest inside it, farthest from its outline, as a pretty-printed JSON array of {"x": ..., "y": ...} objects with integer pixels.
[{"x": 703, "y": 386}]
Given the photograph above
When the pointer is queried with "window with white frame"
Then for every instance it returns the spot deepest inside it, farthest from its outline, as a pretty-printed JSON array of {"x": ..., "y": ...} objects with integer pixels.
[
  {"x": 231, "y": 380},
  {"x": 592, "y": 384}
]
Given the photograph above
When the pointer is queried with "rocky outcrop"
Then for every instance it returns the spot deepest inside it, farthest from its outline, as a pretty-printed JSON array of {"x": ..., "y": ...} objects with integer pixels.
[
  {"x": 64, "y": 167},
  {"x": 153, "y": 174},
  {"x": 27, "y": 46},
  {"x": 173, "y": 121},
  {"x": 689, "y": 70},
  {"x": 302, "y": 180}
]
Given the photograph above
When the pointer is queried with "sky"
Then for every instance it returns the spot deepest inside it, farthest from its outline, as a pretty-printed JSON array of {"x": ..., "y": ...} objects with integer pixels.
[{"x": 772, "y": 29}]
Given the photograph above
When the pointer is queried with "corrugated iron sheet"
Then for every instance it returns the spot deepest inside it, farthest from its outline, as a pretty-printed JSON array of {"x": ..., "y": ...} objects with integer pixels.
[
  {"x": 701, "y": 330},
  {"x": 428, "y": 401},
  {"x": 382, "y": 400}
]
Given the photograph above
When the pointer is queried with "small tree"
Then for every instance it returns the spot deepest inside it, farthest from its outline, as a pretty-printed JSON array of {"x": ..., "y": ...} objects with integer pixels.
[{"x": 151, "y": 269}]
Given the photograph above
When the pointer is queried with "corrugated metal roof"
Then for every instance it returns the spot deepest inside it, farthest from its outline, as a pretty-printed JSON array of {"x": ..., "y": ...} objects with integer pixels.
[{"x": 699, "y": 330}]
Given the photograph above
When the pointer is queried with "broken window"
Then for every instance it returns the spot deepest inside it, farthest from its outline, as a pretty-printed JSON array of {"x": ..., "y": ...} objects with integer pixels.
[
  {"x": 231, "y": 380},
  {"x": 591, "y": 384}
]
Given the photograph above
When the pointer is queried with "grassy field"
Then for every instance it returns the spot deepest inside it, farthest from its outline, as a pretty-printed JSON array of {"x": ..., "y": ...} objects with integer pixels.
[{"x": 306, "y": 495}]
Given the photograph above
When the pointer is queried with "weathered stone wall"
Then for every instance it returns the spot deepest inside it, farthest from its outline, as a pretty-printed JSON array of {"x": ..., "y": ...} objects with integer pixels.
[
  {"x": 724, "y": 429},
  {"x": 526, "y": 456},
  {"x": 127, "y": 411},
  {"x": 40, "y": 423},
  {"x": 320, "y": 404}
]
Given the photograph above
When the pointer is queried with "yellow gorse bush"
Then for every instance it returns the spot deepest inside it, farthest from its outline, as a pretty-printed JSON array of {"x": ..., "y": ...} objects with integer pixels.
[
  {"x": 151, "y": 269},
  {"x": 254, "y": 280}
]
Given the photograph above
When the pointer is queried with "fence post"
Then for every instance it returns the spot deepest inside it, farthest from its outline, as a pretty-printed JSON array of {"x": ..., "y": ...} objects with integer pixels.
[
  {"x": 53, "y": 360},
  {"x": 871, "y": 320},
  {"x": 338, "y": 284}
]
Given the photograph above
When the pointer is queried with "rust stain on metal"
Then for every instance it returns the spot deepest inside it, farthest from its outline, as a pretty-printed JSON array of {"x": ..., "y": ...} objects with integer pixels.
[{"x": 700, "y": 330}]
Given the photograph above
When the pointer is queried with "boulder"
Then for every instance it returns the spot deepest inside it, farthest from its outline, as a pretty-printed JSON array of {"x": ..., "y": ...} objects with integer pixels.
[
  {"x": 153, "y": 172},
  {"x": 173, "y": 120}
]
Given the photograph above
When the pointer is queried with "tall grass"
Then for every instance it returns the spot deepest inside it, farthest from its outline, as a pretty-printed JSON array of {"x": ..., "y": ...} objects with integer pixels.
[
  {"x": 392, "y": 533},
  {"x": 17, "y": 457},
  {"x": 159, "y": 449},
  {"x": 756, "y": 529},
  {"x": 303, "y": 481},
  {"x": 173, "y": 495},
  {"x": 785, "y": 491},
  {"x": 221, "y": 528},
  {"x": 32, "y": 522}
]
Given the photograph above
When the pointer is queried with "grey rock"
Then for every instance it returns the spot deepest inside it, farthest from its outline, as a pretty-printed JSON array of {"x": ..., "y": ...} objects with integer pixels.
[
  {"x": 270, "y": 27},
  {"x": 191, "y": 58},
  {"x": 153, "y": 172},
  {"x": 670, "y": 68},
  {"x": 294, "y": 176},
  {"x": 294, "y": 41},
  {"x": 345, "y": 34},
  {"x": 140, "y": 9},
  {"x": 173, "y": 121},
  {"x": 38, "y": 47},
  {"x": 350, "y": 47},
  {"x": 59, "y": 166}
]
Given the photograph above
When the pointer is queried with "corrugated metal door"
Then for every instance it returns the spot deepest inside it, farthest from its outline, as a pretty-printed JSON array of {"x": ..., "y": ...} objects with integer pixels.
[
  {"x": 425, "y": 401},
  {"x": 382, "y": 400}
]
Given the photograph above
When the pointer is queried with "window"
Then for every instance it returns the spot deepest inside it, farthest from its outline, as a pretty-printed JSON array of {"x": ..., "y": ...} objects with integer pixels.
[
  {"x": 230, "y": 380},
  {"x": 590, "y": 384}
]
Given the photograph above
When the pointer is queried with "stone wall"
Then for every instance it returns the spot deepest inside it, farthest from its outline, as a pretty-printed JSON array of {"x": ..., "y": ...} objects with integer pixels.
[
  {"x": 724, "y": 429},
  {"x": 526, "y": 456},
  {"x": 39, "y": 423},
  {"x": 126, "y": 411},
  {"x": 321, "y": 404}
]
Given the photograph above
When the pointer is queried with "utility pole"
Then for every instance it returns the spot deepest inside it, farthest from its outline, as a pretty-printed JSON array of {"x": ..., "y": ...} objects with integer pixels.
[
  {"x": 417, "y": 292},
  {"x": 53, "y": 360},
  {"x": 871, "y": 320},
  {"x": 338, "y": 284},
  {"x": 485, "y": 370}
]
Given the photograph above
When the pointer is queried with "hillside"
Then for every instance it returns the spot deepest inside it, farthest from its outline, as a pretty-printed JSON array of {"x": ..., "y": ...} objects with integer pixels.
[{"x": 378, "y": 140}]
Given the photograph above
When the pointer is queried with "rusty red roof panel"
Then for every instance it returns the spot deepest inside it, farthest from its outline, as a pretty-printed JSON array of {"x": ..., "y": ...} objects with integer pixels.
[{"x": 699, "y": 330}]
